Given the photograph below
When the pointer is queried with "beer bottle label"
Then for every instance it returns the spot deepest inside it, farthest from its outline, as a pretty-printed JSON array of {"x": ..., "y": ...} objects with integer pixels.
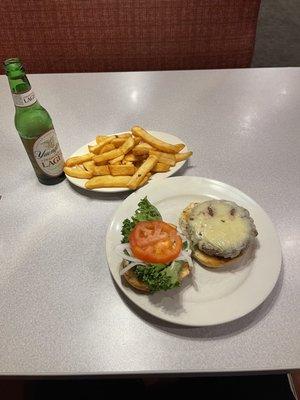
[
  {"x": 48, "y": 155},
  {"x": 24, "y": 99}
]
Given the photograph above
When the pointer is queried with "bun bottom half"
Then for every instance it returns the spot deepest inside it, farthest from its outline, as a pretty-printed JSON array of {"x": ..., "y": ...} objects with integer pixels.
[{"x": 214, "y": 262}]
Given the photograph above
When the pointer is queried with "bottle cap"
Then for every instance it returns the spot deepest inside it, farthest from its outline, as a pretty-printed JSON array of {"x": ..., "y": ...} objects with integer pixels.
[{"x": 13, "y": 67}]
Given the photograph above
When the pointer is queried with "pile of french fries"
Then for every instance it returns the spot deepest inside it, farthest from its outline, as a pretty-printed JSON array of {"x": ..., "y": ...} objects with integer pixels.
[{"x": 126, "y": 160}]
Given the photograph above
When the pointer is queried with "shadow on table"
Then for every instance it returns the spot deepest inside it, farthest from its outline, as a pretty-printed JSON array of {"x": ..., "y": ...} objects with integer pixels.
[
  {"x": 210, "y": 332},
  {"x": 182, "y": 170}
]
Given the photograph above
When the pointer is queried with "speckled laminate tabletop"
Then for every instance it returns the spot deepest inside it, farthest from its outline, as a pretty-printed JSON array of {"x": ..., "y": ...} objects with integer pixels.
[{"x": 60, "y": 310}]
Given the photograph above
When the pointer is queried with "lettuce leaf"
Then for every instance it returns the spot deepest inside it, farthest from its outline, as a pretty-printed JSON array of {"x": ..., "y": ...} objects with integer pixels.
[
  {"x": 145, "y": 212},
  {"x": 160, "y": 276}
]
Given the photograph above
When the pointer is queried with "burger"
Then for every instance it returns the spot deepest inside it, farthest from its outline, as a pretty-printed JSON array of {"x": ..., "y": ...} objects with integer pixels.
[{"x": 219, "y": 231}]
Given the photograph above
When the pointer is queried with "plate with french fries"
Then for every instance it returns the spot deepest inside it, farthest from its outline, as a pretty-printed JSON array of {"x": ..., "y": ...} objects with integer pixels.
[{"x": 126, "y": 161}]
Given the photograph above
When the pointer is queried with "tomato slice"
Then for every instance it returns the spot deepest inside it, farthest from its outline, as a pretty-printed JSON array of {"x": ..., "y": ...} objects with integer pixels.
[{"x": 155, "y": 241}]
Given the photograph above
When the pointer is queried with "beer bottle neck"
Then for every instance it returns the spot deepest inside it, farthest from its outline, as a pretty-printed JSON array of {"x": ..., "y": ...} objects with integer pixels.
[{"x": 22, "y": 93}]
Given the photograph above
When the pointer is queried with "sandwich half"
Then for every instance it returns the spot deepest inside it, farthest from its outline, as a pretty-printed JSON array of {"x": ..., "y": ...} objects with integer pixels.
[{"x": 219, "y": 231}]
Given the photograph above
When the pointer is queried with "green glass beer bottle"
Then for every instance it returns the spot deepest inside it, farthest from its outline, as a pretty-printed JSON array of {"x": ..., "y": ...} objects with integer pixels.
[{"x": 34, "y": 126}]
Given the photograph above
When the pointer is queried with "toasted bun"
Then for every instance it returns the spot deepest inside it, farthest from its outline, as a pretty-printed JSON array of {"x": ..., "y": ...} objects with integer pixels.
[
  {"x": 143, "y": 287},
  {"x": 184, "y": 218},
  {"x": 212, "y": 261},
  {"x": 135, "y": 282},
  {"x": 200, "y": 256}
]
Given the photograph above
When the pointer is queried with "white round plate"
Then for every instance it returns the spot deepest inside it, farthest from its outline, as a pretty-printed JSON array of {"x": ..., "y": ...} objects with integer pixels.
[
  {"x": 167, "y": 137},
  {"x": 207, "y": 296}
]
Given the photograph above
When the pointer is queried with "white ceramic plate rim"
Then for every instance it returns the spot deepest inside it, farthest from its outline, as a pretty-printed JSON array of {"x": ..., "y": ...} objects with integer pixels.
[
  {"x": 246, "y": 298},
  {"x": 160, "y": 135}
]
